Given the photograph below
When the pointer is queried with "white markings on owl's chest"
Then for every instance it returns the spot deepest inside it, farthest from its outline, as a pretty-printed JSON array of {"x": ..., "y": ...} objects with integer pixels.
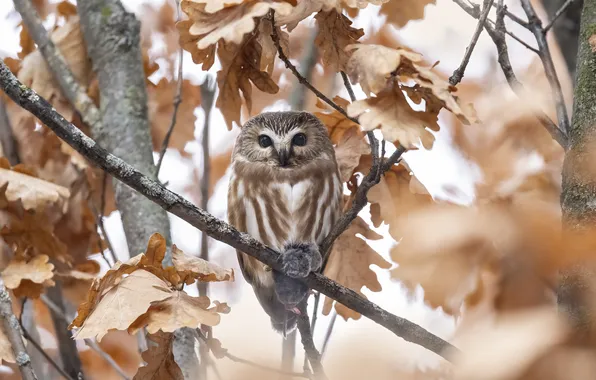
[{"x": 294, "y": 197}]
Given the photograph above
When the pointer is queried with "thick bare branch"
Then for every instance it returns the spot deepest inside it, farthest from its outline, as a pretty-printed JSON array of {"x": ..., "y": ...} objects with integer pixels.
[
  {"x": 204, "y": 221},
  {"x": 12, "y": 329}
]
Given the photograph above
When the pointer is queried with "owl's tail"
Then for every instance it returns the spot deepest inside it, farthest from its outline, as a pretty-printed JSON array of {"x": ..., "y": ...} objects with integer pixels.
[{"x": 282, "y": 320}]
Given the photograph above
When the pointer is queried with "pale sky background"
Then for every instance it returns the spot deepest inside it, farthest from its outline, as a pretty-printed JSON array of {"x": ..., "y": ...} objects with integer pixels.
[{"x": 443, "y": 35}]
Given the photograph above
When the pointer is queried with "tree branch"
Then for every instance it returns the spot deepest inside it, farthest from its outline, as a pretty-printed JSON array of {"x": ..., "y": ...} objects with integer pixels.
[
  {"x": 72, "y": 89},
  {"x": 497, "y": 34},
  {"x": 313, "y": 355},
  {"x": 177, "y": 101},
  {"x": 549, "y": 66},
  {"x": 12, "y": 330},
  {"x": 9, "y": 145},
  {"x": 458, "y": 74},
  {"x": 558, "y": 14},
  {"x": 217, "y": 229}
]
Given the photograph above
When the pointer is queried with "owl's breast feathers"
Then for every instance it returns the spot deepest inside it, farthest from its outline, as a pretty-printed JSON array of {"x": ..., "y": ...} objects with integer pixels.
[{"x": 280, "y": 207}]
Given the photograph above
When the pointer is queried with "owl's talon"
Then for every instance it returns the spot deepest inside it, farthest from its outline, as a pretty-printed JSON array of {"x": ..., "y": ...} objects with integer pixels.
[{"x": 298, "y": 260}]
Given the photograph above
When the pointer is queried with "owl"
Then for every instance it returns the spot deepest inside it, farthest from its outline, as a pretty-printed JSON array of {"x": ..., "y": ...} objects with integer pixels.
[{"x": 285, "y": 191}]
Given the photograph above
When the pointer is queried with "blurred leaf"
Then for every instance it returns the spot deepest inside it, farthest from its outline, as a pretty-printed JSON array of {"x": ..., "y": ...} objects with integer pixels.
[
  {"x": 160, "y": 360},
  {"x": 198, "y": 268},
  {"x": 335, "y": 33}
]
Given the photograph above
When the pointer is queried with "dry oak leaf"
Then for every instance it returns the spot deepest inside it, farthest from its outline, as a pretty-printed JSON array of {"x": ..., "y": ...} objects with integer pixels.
[
  {"x": 160, "y": 360},
  {"x": 373, "y": 65},
  {"x": 35, "y": 194},
  {"x": 517, "y": 338},
  {"x": 240, "y": 66},
  {"x": 123, "y": 304},
  {"x": 349, "y": 264},
  {"x": 33, "y": 232},
  {"x": 161, "y": 108},
  {"x": 361, "y": 4},
  {"x": 198, "y": 268},
  {"x": 337, "y": 124},
  {"x": 269, "y": 50},
  {"x": 398, "y": 193},
  {"x": 176, "y": 311},
  {"x": 348, "y": 152},
  {"x": 230, "y": 23},
  {"x": 400, "y": 12},
  {"x": 390, "y": 112},
  {"x": 37, "y": 270},
  {"x": 189, "y": 42},
  {"x": 36, "y": 74},
  {"x": 335, "y": 33}
]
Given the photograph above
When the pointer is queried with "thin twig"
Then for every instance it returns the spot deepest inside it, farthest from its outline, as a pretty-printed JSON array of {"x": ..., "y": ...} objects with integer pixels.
[
  {"x": 177, "y": 102},
  {"x": 105, "y": 356},
  {"x": 72, "y": 89},
  {"x": 458, "y": 74},
  {"x": 514, "y": 18},
  {"x": 237, "y": 359},
  {"x": 558, "y": 14},
  {"x": 38, "y": 347},
  {"x": 549, "y": 66},
  {"x": 497, "y": 34},
  {"x": 313, "y": 355},
  {"x": 348, "y": 86},
  {"x": 216, "y": 228},
  {"x": 12, "y": 330},
  {"x": 100, "y": 215},
  {"x": 474, "y": 11},
  {"x": 328, "y": 333}
]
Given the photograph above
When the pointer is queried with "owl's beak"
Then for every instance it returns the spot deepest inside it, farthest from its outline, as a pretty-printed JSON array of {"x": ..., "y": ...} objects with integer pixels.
[{"x": 284, "y": 157}]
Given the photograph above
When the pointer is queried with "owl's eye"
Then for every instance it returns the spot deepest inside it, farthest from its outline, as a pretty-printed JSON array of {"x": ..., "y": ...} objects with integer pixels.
[
  {"x": 265, "y": 141},
  {"x": 299, "y": 139}
]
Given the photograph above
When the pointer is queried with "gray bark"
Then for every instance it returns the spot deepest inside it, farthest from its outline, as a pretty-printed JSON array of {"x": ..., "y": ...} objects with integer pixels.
[
  {"x": 578, "y": 197},
  {"x": 112, "y": 36},
  {"x": 113, "y": 42}
]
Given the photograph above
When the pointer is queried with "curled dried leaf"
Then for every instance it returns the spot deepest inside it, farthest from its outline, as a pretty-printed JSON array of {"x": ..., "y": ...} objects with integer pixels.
[
  {"x": 37, "y": 270},
  {"x": 199, "y": 268},
  {"x": 160, "y": 359}
]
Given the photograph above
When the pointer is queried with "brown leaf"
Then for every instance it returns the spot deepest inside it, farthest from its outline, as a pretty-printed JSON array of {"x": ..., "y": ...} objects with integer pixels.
[
  {"x": 199, "y": 268},
  {"x": 161, "y": 109},
  {"x": 240, "y": 66},
  {"x": 397, "y": 195},
  {"x": 349, "y": 264},
  {"x": 337, "y": 124},
  {"x": 34, "y": 193},
  {"x": 372, "y": 65},
  {"x": 120, "y": 306},
  {"x": 174, "y": 312},
  {"x": 35, "y": 72},
  {"x": 400, "y": 12},
  {"x": 156, "y": 250},
  {"x": 515, "y": 338},
  {"x": 390, "y": 112},
  {"x": 35, "y": 233},
  {"x": 348, "y": 152},
  {"x": 205, "y": 57},
  {"x": 229, "y": 23},
  {"x": 37, "y": 270},
  {"x": 335, "y": 33},
  {"x": 160, "y": 360}
]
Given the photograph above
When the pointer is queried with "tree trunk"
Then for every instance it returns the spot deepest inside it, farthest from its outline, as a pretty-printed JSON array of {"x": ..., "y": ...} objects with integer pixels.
[
  {"x": 578, "y": 199},
  {"x": 112, "y": 36}
]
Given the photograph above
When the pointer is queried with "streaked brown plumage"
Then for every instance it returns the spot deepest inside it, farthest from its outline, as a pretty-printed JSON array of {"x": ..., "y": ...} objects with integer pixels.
[{"x": 285, "y": 191}]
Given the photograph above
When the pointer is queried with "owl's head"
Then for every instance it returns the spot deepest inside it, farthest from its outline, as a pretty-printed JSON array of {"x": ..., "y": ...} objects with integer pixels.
[{"x": 284, "y": 139}]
